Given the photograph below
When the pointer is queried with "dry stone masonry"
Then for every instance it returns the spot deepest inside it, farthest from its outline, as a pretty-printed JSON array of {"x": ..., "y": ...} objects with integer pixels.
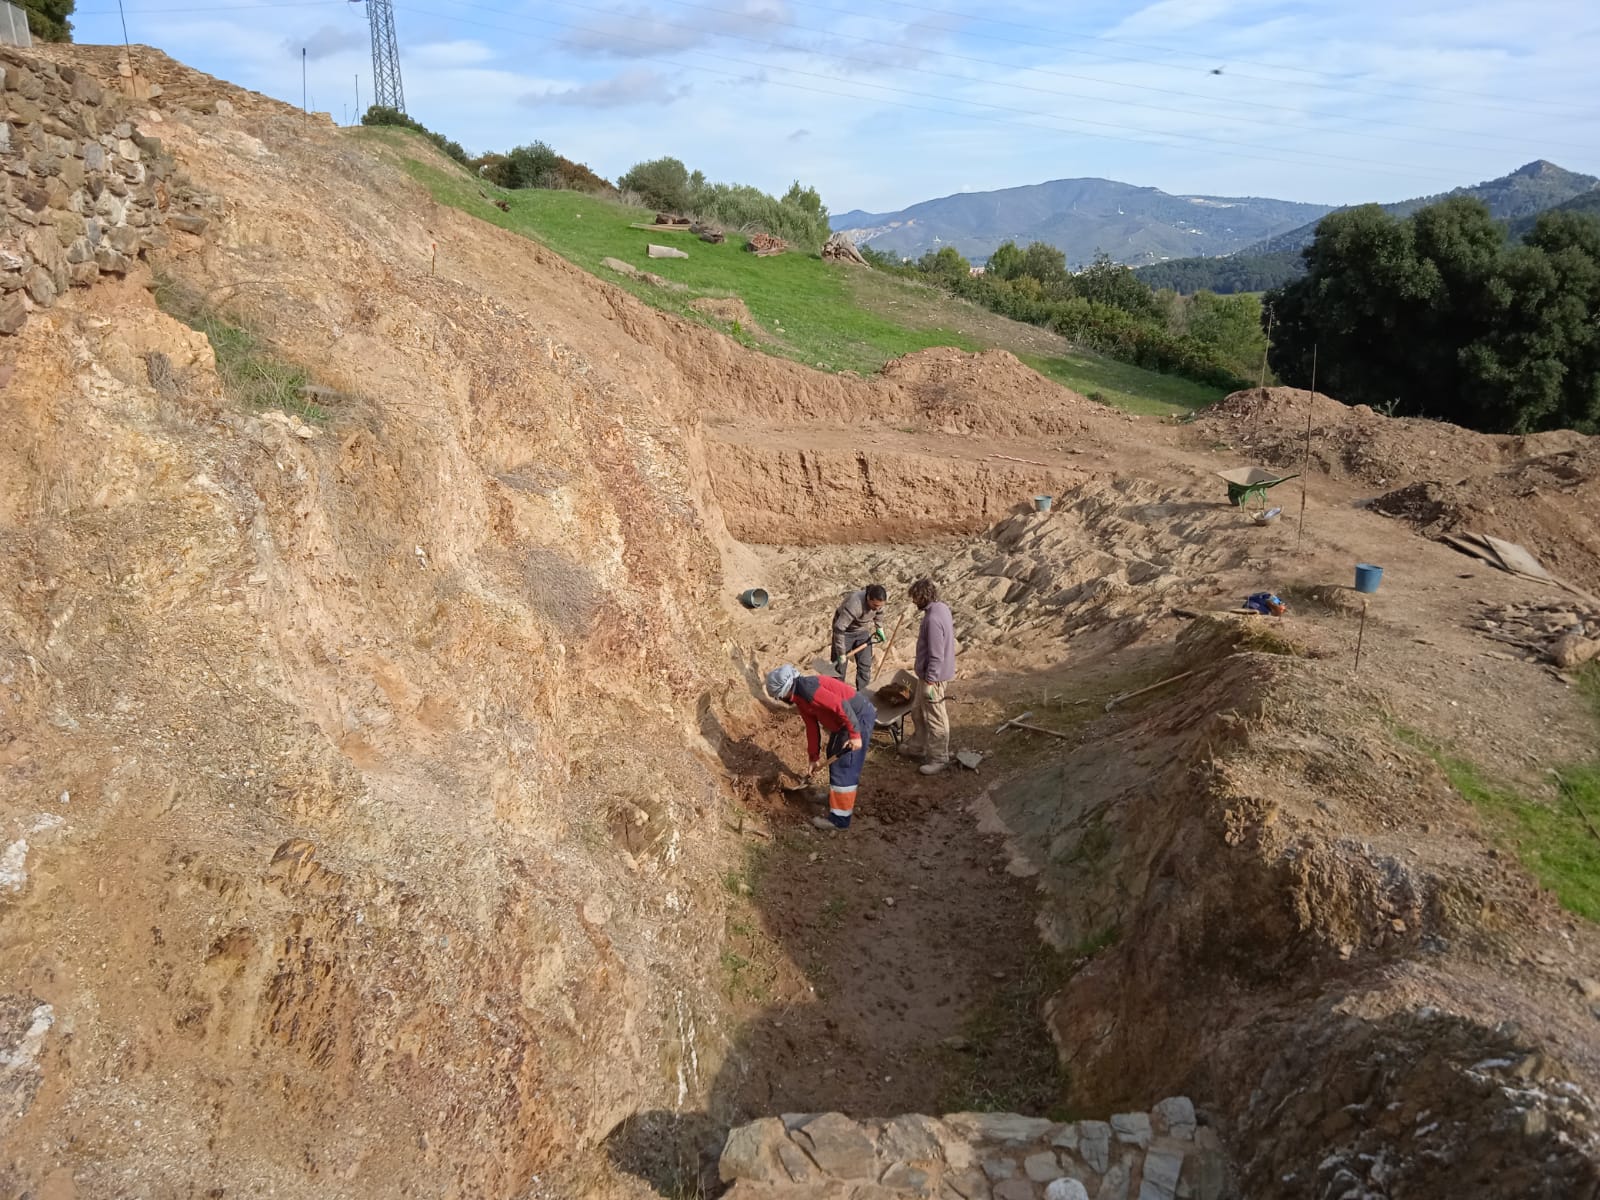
[
  {"x": 1164, "y": 1154},
  {"x": 86, "y": 191}
]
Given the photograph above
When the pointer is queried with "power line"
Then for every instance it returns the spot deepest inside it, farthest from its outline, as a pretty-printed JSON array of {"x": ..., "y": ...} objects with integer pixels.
[
  {"x": 1187, "y": 138},
  {"x": 213, "y": 8},
  {"x": 1236, "y": 101},
  {"x": 1209, "y": 58},
  {"x": 1278, "y": 108}
]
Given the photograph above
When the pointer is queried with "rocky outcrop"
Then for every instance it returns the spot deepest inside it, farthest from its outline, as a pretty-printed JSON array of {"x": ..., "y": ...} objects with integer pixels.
[
  {"x": 87, "y": 192},
  {"x": 1159, "y": 1155}
]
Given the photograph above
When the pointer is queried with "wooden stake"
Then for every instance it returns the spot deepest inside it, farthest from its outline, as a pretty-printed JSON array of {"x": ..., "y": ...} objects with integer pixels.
[
  {"x": 1305, "y": 460},
  {"x": 1360, "y": 636},
  {"x": 1263, "y": 384}
]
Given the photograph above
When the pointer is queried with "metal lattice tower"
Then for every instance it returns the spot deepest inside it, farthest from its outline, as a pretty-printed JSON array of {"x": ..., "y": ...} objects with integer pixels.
[{"x": 386, "y": 89}]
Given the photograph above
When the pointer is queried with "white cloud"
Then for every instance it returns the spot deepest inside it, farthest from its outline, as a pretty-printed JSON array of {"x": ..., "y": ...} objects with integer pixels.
[
  {"x": 1342, "y": 89},
  {"x": 634, "y": 86},
  {"x": 641, "y": 32},
  {"x": 327, "y": 41},
  {"x": 461, "y": 53}
]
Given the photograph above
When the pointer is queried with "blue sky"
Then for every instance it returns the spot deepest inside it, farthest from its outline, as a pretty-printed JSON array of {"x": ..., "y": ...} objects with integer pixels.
[{"x": 883, "y": 104}]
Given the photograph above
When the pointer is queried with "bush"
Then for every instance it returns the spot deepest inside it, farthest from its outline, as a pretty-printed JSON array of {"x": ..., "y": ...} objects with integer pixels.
[
  {"x": 532, "y": 166},
  {"x": 800, "y": 217},
  {"x": 380, "y": 114},
  {"x": 662, "y": 183},
  {"x": 577, "y": 177}
]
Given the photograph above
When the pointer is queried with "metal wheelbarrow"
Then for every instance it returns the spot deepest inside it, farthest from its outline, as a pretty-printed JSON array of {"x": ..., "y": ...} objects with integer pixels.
[{"x": 1245, "y": 483}]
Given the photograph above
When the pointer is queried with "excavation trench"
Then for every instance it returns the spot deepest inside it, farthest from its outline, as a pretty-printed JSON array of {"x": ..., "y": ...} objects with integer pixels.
[
  {"x": 373, "y": 773},
  {"x": 893, "y": 968},
  {"x": 1190, "y": 895},
  {"x": 901, "y": 967}
]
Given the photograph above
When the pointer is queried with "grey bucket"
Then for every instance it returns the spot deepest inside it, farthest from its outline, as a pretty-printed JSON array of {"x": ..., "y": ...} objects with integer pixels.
[{"x": 754, "y": 598}]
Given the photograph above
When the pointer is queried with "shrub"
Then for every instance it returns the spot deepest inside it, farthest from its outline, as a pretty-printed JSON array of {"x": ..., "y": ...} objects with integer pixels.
[
  {"x": 662, "y": 183},
  {"x": 380, "y": 114}
]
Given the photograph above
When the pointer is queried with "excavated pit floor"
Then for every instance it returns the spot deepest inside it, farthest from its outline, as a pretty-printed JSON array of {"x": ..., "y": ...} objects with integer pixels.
[{"x": 897, "y": 967}]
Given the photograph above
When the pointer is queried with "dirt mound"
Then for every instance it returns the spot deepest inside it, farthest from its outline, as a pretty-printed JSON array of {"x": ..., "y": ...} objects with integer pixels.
[
  {"x": 1357, "y": 443},
  {"x": 1545, "y": 502},
  {"x": 991, "y": 392},
  {"x": 1253, "y": 843}
]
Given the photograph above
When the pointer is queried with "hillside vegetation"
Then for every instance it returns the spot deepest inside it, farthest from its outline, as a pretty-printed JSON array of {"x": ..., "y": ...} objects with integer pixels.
[
  {"x": 1084, "y": 217},
  {"x": 1518, "y": 197},
  {"x": 799, "y": 307},
  {"x": 1438, "y": 315}
]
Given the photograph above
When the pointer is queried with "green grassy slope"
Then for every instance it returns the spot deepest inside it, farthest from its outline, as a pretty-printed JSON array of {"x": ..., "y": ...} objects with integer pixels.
[{"x": 833, "y": 317}]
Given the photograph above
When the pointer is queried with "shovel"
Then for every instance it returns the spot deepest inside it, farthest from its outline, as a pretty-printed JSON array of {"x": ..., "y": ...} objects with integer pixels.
[{"x": 801, "y": 783}]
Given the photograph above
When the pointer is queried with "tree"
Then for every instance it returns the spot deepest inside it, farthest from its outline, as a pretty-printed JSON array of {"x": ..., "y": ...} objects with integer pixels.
[
  {"x": 1005, "y": 262},
  {"x": 1113, "y": 284},
  {"x": 1048, "y": 265},
  {"x": 806, "y": 199},
  {"x": 662, "y": 183},
  {"x": 47, "y": 19},
  {"x": 532, "y": 166},
  {"x": 1228, "y": 325},
  {"x": 1439, "y": 316},
  {"x": 944, "y": 266}
]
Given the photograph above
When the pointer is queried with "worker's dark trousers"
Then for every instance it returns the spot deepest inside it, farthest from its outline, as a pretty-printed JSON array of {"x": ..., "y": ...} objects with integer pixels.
[
  {"x": 863, "y": 660},
  {"x": 844, "y": 776}
]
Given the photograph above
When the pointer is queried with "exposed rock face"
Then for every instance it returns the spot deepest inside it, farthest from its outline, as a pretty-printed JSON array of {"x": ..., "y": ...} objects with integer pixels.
[
  {"x": 1158, "y": 1155},
  {"x": 88, "y": 193}
]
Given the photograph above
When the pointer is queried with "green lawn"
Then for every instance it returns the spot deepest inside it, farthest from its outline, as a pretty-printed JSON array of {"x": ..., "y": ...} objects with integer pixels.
[
  {"x": 836, "y": 318},
  {"x": 1127, "y": 387}
]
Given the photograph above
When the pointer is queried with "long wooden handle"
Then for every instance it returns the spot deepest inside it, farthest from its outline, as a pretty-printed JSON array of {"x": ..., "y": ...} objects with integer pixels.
[
  {"x": 826, "y": 763},
  {"x": 1116, "y": 700}
]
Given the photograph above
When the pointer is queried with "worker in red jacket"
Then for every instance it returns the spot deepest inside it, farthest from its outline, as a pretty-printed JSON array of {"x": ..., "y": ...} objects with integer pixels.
[{"x": 847, "y": 715}]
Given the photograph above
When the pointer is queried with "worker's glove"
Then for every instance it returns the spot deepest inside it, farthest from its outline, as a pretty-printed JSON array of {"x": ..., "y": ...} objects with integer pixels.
[
  {"x": 878, "y": 635},
  {"x": 855, "y": 743},
  {"x": 838, "y": 665}
]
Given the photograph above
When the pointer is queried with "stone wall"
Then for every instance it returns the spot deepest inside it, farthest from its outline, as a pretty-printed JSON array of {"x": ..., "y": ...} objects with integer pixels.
[
  {"x": 87, "y": 192},
  {"x": 1161, "y": 1155}
]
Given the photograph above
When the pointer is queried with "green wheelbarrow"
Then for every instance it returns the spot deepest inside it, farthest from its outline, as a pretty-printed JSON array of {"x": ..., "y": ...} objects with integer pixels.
[{"x": 1247, "y": 482}]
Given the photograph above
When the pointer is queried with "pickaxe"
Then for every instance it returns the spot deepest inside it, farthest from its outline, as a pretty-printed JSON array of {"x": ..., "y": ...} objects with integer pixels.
[{"x": 1021, "y": 723}]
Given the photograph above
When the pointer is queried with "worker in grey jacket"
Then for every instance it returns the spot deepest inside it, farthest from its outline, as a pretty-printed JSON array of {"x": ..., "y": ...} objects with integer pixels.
[
  {"x": 858, "y": 621},
  {"x": 935, "y": 667}
]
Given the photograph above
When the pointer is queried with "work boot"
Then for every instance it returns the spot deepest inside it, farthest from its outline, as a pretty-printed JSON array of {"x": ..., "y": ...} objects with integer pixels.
[
  {"x": 933, "y": 768},
  {"x": 824, "y": 823},
  {"x": 905, "y": 750}
]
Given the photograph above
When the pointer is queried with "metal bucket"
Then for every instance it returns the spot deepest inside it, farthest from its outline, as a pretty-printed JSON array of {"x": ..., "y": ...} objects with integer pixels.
[
  {"x": 754, "y": 598},
  {"x": 1368, "y": 577},
  {"x": 1042, "y": 503}
]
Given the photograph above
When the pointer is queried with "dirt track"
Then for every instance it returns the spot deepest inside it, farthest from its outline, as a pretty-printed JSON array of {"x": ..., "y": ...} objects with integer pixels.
[{"x": 403, "y": 763}]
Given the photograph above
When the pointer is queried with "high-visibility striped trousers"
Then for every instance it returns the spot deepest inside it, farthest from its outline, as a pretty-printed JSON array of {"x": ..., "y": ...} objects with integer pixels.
[{"x": 844, "y": 775}]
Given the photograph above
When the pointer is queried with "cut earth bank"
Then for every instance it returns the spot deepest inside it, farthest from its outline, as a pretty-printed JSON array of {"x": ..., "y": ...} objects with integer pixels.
[{"x": 380, "y": 776}]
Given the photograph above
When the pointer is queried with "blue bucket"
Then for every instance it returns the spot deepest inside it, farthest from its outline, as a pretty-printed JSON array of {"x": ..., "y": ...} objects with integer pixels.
[
  {"x": 1042, "y": 503},
  {"x": 1368, "y": 577},
  {"x": 754, "y": 598}
]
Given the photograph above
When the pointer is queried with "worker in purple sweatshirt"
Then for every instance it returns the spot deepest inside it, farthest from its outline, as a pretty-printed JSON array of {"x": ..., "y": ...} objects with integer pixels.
[{"x": 935, "y": 666}]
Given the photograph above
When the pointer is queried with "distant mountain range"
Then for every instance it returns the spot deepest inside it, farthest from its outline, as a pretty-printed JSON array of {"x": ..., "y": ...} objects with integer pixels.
[
  {"x": 1081, "y": 217},
  {"x": 1517, "y": 198}
]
